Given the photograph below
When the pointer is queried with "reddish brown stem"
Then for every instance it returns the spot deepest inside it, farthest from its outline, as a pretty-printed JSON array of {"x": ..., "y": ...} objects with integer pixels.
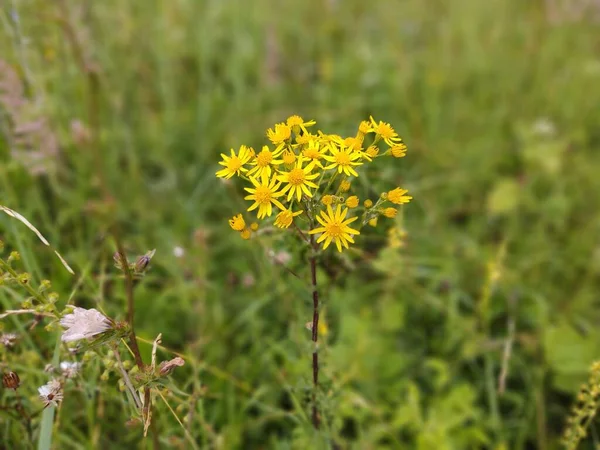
[{"x": 315, "y": 332}]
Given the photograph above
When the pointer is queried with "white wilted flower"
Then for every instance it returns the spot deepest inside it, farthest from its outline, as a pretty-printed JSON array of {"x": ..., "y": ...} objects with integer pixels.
[
  {"x": 83, "y": 324},
  {"x": 51, "y": 393},
  {"x": 69, "y": 369},
  {"x": 8, "y": 339},
  {"x": 166, "y": 367}
]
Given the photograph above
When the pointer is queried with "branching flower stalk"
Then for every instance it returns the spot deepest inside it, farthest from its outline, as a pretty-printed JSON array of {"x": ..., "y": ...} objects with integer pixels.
[{"x": 305, "y": 181}]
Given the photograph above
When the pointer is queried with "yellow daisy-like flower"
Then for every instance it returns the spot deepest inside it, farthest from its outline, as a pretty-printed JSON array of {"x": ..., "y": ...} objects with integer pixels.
[
  {"x": 343, "y": 159},
  {"x": 263, "y": 162},
  {"x": 355, "y": 144},
  {"x": 237, "y": 223},
  {"x": 280, "y": 134},
  {"x": 398, "y": 150},
  {"x": 299, "y": 180},
  {"x": 352, "y": 201},
  {"x": 371, "y": 152},
  {"x": 364, "y": 127},
  {"x": 288, "y": 157},
  {"x": 368, "y": 203},
  {"x": 398, "y": 196},
  {"x": 335, "y": 228},
  {"x": 345, "y": 186},
  {"x": 285, "y": 218},
  {"x": 245, "y": 233},
  {"x": 390, "y": 212},
  {"x": 373, "y": 222},
  {"x": 254, "y": 226},
  {"x": 265, "y": 194},
  {"x": 305, "y": 138},
  {"x": 386, "y": 132},
  {"x": 234, "y": 164},
  {"x": 297, "y": 123},
  {"x": 314, "y": 152}
]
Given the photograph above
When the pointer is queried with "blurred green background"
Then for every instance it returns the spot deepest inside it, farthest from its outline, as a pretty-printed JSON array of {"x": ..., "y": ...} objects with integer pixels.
[{"x": 498, "y": 102}]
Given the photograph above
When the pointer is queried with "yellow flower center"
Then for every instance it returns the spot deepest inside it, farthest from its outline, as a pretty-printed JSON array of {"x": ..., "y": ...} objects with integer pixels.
[
  {"x": 334, "y": 229},
  {"x": 294, "y": 120},
  {"x": 285, "y": 218},
  {"x": 385, "y": 130},
  {"x": 264, "y": 158},
  {"x": 342, "y": 159},
  {"x": 289, "y": 158},
  {"x": 263, "y": 195},
  {"x": 234, "y": 164},
  {"x": 312, "y": 154},
  {"x": 296, "y": 177}
]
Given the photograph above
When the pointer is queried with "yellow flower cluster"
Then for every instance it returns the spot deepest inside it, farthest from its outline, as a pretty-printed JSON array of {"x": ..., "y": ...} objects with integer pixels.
[{"x": 309, "y": 176}]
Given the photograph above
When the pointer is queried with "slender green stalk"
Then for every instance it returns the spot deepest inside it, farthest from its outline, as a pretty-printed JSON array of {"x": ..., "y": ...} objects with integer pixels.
[{"x": 315, "y": 333}]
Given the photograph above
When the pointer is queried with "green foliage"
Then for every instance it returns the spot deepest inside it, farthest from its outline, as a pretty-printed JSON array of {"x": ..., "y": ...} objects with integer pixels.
[{"x": 498, "y": 107}]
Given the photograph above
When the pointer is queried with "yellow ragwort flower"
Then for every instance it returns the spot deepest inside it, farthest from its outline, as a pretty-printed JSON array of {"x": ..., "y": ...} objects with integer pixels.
[
  {"x": 263, "y": 162},
  {"x": 386, "y": 132},
  {"x": 234, "y": 164},
  {"x": 254, "y": 226},
  {"x": 280, "y": 134},
  {"x": 373, "y": 222},
  {"x": 390, "y": 212},
  {"x": 342, "y": 159},
  {"x": 345, "y": 186},
  {"x": 305, "y": 138},
  {"x": 288, "y": 157},
  {"x": 285, "y": 218},
  {"x": 245, "y": 233},
  {"x": 352, "y": 201},
  {"x": 355, "y": 144},
  {"x": 298, "y": 180},
  {"x": 327, "y": 200},
  {"x": 398, "y": 150},
  {"x": 398, "y": 197},
  {"x": 297, "y": 123},
  {"x": 314, "y": 152},
  {"x": 335, "y": 228},
  {"x": 372, "y": 151},
  {"x": 368, "y": 203},
  {"x": 237, "y": 223},
  {"x": 364, "y": 127},
  {"x": 265, "y": 194}
]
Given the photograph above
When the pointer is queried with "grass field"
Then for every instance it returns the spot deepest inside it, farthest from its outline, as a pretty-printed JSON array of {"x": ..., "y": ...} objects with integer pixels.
[{"x": 114, "y": 114}]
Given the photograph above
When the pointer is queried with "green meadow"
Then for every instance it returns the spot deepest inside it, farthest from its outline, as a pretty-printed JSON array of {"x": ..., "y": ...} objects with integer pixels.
[{"x": 476, "y": 333}]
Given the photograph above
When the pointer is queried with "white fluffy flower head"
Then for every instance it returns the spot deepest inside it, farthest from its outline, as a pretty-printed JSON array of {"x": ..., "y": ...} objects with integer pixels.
[
  {"x": 51, "y": 393},
  {"x": 83, "y": 324},
  {"x": 69, "y": 369}
]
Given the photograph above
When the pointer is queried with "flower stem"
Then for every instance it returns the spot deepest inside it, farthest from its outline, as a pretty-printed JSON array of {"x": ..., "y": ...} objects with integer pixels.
[{"x": 315, "y": 331}]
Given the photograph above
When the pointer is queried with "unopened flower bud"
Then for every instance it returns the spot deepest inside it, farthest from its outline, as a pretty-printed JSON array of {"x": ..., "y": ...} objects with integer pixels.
[
  {"x": 142, "y": 262},
  {"x": 390, "y": 212},
  {"x": 11, "y": 380},
  {"x": 118, "y": 260}
]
